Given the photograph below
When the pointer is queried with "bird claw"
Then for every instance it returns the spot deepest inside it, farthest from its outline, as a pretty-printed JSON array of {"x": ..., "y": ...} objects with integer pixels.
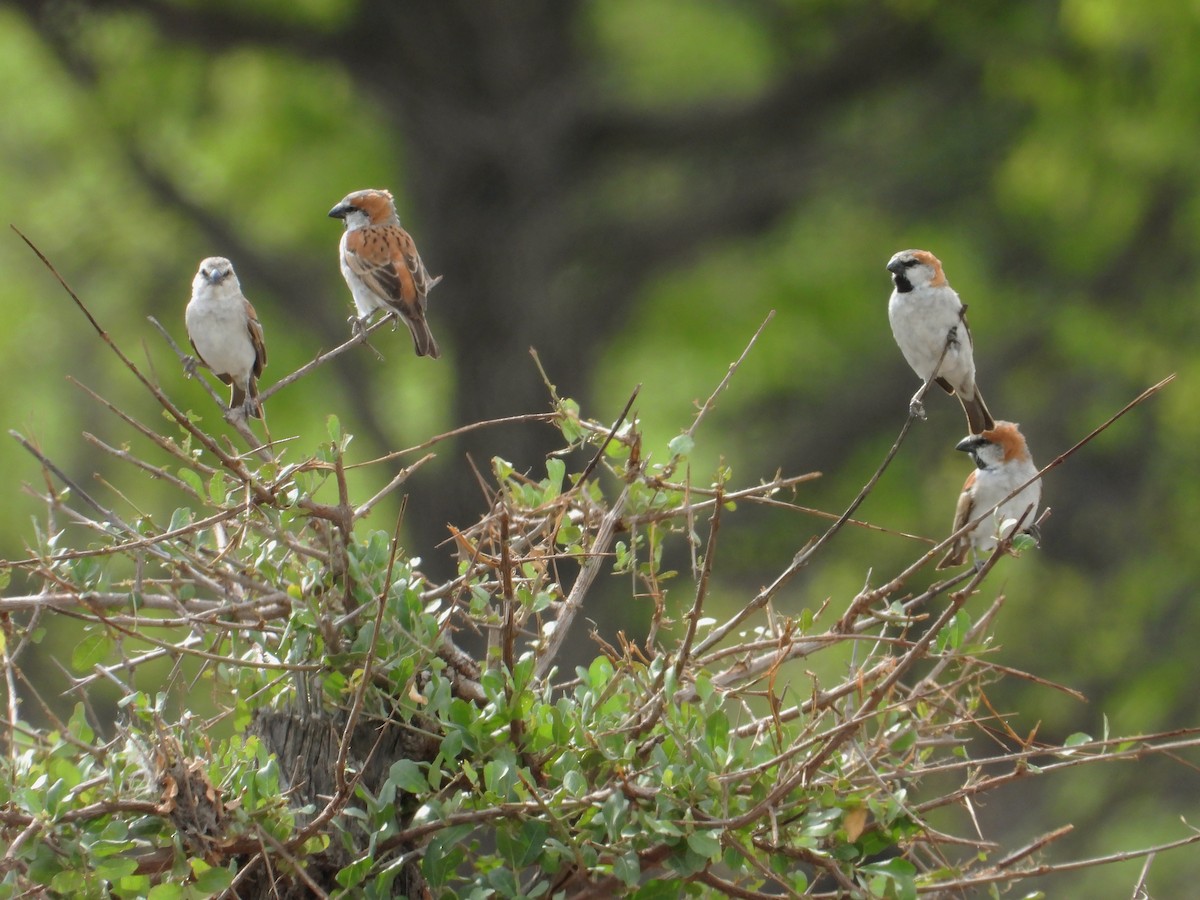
[
  {"x": 917, "y": 409},
  {"x": 189, "y": 366},
  {"x": 358, "y": 327}
]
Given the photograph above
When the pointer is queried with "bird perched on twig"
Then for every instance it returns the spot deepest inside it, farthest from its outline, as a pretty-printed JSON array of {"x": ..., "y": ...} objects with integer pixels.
[
  {"x": 226, "y": 334},
  {"x": 1002, "y": 464},
  {"x": 929, "y": 320},
  {"x": 382, "y": 267}
]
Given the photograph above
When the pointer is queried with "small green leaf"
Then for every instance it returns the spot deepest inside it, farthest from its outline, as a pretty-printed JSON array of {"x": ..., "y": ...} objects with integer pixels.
[
  {"x": 705, "y": 843},
  {"x": 353, "y": 874},
  {"x": 951, "y": 637},
  {"x": 166, "y": 891},
  {"x": 1022, "y": 542},
  {"x": 628, "y": 868},
  {"x": 90, "y": 651},
  {"x": 333, "y": 428},
  {"x": 681, "y": 445},
  {"x": 181, "y": 518},
  {"x": 192, "y": 480},
  {"x": 1076, "y": 739},
  {"x": 556, "y": 471},
  {"x": 210, "y": 879},
  {"x": 406, "y": 774},
  {"x": 218, "y": 487}
]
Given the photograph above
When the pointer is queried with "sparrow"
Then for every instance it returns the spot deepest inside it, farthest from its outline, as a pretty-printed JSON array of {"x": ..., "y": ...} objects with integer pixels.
[
  {"x": 225, "y": 332},
  {"x": 381, "y": 265},
  {"x": 927, "y": 317},
  {"x": 1002, "y": 464}
]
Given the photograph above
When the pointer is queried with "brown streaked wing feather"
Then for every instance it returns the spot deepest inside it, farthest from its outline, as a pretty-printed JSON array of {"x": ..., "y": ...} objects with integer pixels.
[
  {"x": 962, "y": 510},
  {"x": 256, "y": 338},
  {"x": 420, "y": 277},
  {"x": 368, "y": 257},
  {"x": 962, "y": 515}
]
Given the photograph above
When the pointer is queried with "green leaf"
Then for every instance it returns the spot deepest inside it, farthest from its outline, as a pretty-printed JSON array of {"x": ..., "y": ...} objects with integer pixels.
[
  {"x": 113, "y": 870},
  {"x": 681, "y": 445},
  {"x": 406, "y": 774},
  {"x": 181, "y": 518},
  {"x": 443, "y": 855},
  {"x": 1076, "y": 739},
  {"x": 900, "y": 872},
  {"x": 1022, "y": 542},
  {"x": 166, "y": 891},
  {"x": 628, "y": 868},
  {"x": 353, "y": 874},
  {"x": 502, "y": 468},
  {"x": 192, "y": 480},
  {"x": 333, "y": 428},
  {"x": 568, "y": 421},
  {"x": 91, "y": 650},
  {"x": 210, "y": 879},
  {"x": 556, "y": 471},
  {"x": 78, "y": 726},
  {"x": 660, "y": 889},
  {"x": 951, "y": 637},
  {"x": 525, "y": 846},
  {"x": 218, "y": 487},
  {"x": 706, "y": 843}
]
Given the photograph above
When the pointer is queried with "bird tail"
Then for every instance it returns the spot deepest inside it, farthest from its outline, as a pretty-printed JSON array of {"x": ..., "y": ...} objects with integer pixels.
[
  {"x": 422, "y": 337},
  {"x": 979, "y": 419},
  {"x": 957, "y": 555}
]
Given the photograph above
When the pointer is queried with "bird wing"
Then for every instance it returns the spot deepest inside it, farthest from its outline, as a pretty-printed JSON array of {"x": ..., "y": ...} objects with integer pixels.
[
  {"x": 386, "y": 259},
  {"x": 254, "y": 327},
  {"x": 963, "y": 510}
]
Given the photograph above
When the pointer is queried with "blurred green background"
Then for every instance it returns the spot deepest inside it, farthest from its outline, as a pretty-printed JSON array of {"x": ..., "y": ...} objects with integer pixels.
[{"x": 629, "y": 186}]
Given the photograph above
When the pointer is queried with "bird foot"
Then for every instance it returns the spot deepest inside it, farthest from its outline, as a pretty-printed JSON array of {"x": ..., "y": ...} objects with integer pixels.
[
  {"x": 189, "y": 366},
  {"x": 358, "y": 327},
  {"x": 917, "y": 409}
]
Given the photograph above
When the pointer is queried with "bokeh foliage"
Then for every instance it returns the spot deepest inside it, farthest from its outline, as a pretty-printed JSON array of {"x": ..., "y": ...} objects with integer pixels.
[{"x": 1045, "y": 151}]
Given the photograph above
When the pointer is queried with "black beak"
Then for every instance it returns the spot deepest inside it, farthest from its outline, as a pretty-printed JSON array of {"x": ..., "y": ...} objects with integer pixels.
[
  {"x": 970, "y": 444},
  {"x": 340, "y": 211},
  {"x": 896, "y": 266}
]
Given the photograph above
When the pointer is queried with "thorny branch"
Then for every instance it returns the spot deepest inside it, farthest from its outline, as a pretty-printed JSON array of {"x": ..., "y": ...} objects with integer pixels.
[{"x": 235, "y": 588}]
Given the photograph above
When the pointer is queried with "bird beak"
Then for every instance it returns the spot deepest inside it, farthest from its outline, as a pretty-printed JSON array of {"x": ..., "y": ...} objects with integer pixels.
[
  {"x": 895, "y": 267},
  {"x": 969, "y": 444},
  {"x": 340, "y": 211}
]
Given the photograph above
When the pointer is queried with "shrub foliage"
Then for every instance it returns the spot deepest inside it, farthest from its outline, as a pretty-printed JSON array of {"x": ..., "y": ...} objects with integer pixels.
[{"x": 357, "y": 747}]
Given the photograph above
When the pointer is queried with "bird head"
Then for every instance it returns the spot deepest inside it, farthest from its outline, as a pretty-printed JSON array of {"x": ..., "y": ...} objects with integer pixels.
[
  {"x": 914, "y": 269},
  {"x": 1001, "y": 444},
  {"x": 369, "y": 207},
  {"x": 216, "y": 270}
]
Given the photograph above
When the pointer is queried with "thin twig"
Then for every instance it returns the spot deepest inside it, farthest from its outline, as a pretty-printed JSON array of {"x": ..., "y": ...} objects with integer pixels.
[{"x": 583, "y": 582}]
